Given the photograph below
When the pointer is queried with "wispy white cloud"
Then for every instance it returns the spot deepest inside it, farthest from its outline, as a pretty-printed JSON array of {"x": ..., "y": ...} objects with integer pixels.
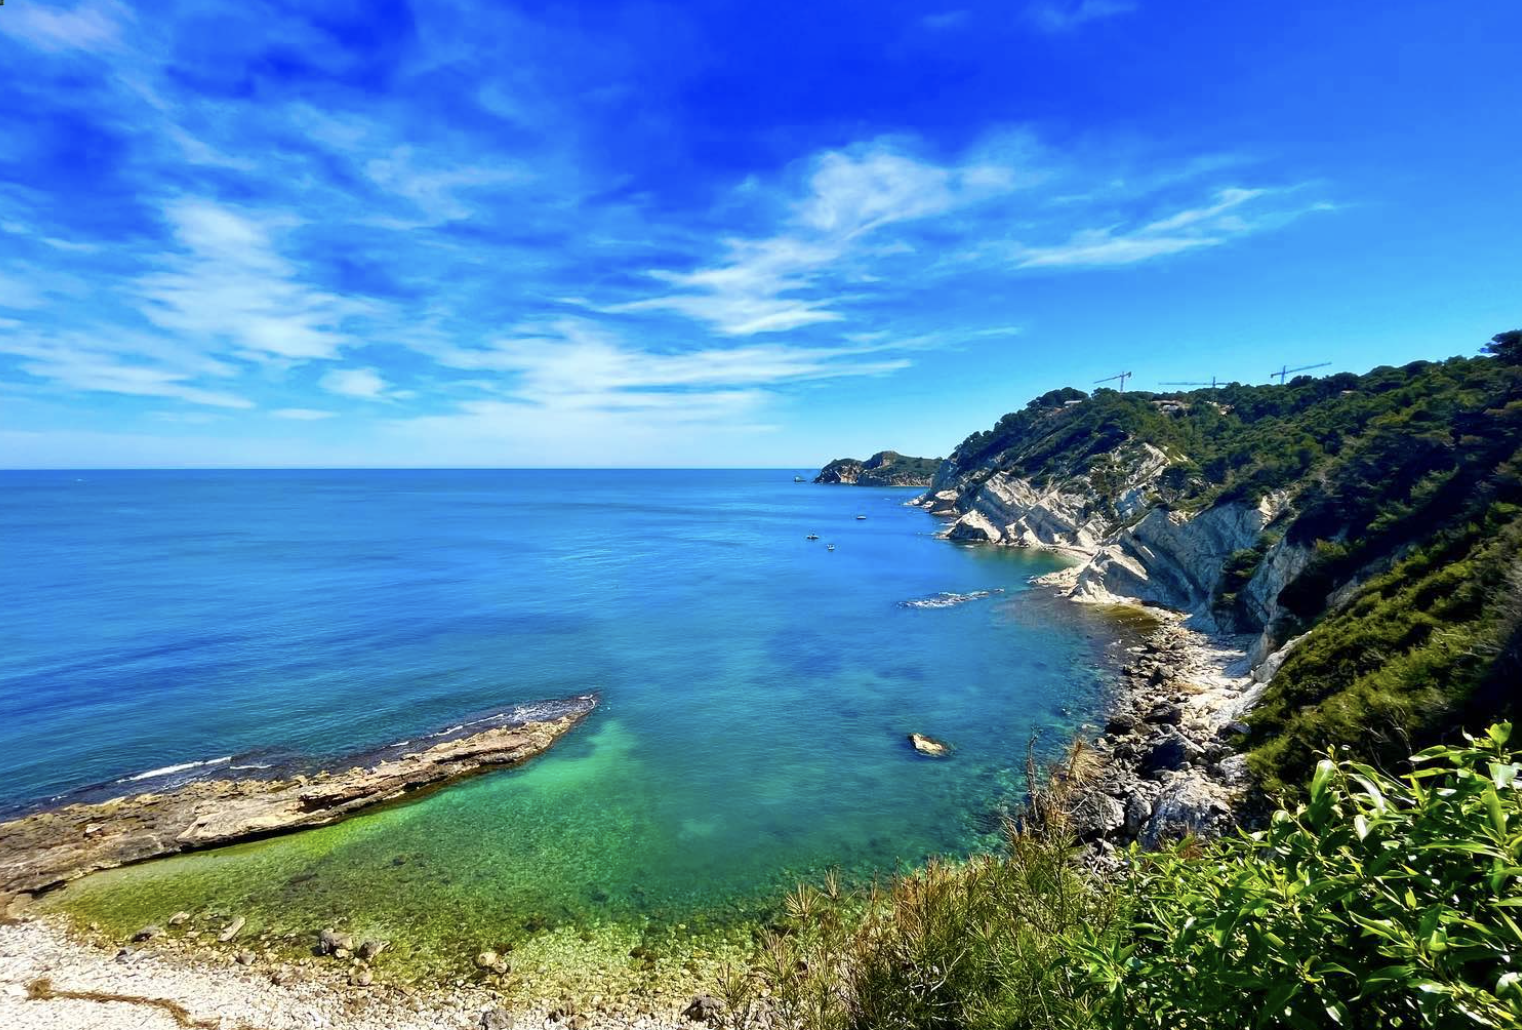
[
  {"x": 100, "y": 374},
  {"x": 1209, "y": 225},
  {"x": 1067, "y": 15},
  {"x": 364, "y": 383},
  {"x": 574, "y": 363},
  {"x": 760, "y": 286},
  {"x": 437, "y": 193},
  {"x": 88, "y": 25},
  {"x": 302, "y": 414},
  {"x": 228, "y": 284}
]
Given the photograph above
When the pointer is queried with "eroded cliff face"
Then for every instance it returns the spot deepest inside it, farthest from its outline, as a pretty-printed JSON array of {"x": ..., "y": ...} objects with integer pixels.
[
  {"x": 1175, "y": 560},
  {"x": 1134, "y": 548},
  {"x": 995, "y": 507}
]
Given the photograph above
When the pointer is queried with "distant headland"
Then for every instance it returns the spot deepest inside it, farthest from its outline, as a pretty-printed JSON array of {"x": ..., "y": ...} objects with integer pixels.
[{"x": 885, "y": 468}]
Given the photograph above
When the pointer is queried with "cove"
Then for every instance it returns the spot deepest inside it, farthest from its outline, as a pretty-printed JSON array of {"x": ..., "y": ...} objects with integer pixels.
[{"x": 756, "y": 691}]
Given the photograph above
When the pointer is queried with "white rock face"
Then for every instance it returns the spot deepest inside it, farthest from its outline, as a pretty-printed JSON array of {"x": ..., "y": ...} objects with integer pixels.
[
  {"x": 1172, "y": 559},
  {"x": 1014, "y": 511},
  {"x": 1282, "y": 563}
]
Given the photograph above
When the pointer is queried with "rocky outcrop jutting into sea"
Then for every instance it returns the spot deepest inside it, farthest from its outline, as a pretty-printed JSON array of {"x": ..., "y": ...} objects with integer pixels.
[
  {"x": 49, "y": 848},
  {"x": 885, "y": 468}
]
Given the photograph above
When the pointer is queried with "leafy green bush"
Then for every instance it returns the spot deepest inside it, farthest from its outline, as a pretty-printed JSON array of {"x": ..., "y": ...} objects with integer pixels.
[{"x": 1377, "y": 903}]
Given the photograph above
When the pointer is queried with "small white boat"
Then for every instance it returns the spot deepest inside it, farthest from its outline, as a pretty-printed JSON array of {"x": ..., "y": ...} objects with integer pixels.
[
  {"x": 799, "y": 479},
  {"x": 812, "y": 536},
  {"x": 861, "y": 518},
  {"x": 829, "y": 547}
]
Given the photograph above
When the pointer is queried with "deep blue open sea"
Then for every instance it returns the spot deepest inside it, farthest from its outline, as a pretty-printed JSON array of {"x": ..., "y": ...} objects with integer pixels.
[{"x": 756, "y": 688}]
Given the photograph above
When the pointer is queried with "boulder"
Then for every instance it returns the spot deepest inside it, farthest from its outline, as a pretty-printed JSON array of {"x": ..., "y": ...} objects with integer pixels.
[
  {"x": 928, "y": 745},
  {"x": 495, "y": 1019},
  {"x": 491, "y": 962},
  {"x": 1138, "y": 811},
  {"x": 369, "y": 949},
  {"x": 703, "y": 1008},
  {"x": 1188, "y": 806},
  {"x": 1233, "y": 772},
  {"x": 330, "y": 943},
  {"x": 1166, "y": 713},
  {"x": 1120, "y": 724},
  {"x": 1171, "y": 752},
  {"x": 1097, "y": 815},
  {"x": 230, "y": 930}
]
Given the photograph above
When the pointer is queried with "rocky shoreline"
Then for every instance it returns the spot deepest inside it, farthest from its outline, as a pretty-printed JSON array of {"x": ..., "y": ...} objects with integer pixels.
[
  {"x": 1167, "y": 765},
  {"x": 44, "y": 850}
]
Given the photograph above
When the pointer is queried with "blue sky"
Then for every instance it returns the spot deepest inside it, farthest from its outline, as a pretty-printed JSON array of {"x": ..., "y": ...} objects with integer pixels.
[{"x": 731, "y": 234}]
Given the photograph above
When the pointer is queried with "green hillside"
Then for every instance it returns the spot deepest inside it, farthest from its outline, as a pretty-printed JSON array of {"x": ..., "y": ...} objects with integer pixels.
[{"x": 1406, "y": 482}]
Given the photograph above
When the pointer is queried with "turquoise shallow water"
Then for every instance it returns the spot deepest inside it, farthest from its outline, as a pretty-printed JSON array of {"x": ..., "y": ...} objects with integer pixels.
[{"x": 756, "y": 689}]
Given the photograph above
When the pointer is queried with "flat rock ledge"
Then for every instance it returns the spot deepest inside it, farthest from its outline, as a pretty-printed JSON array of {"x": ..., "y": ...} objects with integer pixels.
[{"x": 47, "y": 849}]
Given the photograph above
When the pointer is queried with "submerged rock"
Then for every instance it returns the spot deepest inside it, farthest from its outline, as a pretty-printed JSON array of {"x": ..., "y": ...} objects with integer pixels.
[
  {"x": 331, "y": 943},
  {"x": 147, "y": 933},
  {"x": 492, "y": 962},
  {"x": 230, "y": 930},
  {"x": 928, "y": 745},
  {"x": 370, "y": 948},
  {"x": 179, "y": 919}
]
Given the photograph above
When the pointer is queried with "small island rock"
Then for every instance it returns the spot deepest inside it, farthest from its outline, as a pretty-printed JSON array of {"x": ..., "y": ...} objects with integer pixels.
[{"x": 928, "y": 745}]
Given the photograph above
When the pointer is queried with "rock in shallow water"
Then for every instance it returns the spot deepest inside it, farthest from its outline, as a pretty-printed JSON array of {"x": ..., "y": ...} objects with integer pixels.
[
  {"x": 928, "y": 745},
  {"x": 330, "y": 943}
]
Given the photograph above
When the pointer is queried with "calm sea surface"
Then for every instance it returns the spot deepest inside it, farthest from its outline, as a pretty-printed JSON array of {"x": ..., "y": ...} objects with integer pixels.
[{"x": 756, "y": 688}]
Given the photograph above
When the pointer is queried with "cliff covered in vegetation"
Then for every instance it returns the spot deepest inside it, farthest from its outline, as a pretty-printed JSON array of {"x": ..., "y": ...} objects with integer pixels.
[{"x": 1366, "y": 529}]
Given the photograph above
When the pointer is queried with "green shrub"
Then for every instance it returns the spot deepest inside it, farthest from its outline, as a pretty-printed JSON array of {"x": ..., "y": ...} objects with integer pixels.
[
  {"x": 979, "y": 944},
  {"x": 1377, "y": 903}
]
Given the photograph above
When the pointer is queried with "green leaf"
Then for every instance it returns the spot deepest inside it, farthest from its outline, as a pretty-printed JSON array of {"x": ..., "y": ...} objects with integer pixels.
[{"x": 1325, "y": 769}]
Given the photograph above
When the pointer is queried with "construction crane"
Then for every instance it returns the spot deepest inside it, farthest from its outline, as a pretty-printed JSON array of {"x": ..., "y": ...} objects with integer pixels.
[
  {"x": 1123, "y": 376},
  {"x": 1189, "y": 382},
  {"x": 1284, "y": 371}
]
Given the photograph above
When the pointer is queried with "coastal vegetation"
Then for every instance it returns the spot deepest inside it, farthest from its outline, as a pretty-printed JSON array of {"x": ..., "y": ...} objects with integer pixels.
[
  {"x": 1379, "y": 880},
  {"x": 1376, "y": 901},
  {"x": 1398, "y": 492}
]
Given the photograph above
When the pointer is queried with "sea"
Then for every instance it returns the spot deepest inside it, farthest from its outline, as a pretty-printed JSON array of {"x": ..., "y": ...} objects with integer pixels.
[{"x": 756, "y": 687}]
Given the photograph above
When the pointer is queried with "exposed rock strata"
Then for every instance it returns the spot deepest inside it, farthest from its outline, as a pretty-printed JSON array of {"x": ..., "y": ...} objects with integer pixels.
[
  {"x": 1133, "y": 547},
  {"x": 49, "y": 848}
]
